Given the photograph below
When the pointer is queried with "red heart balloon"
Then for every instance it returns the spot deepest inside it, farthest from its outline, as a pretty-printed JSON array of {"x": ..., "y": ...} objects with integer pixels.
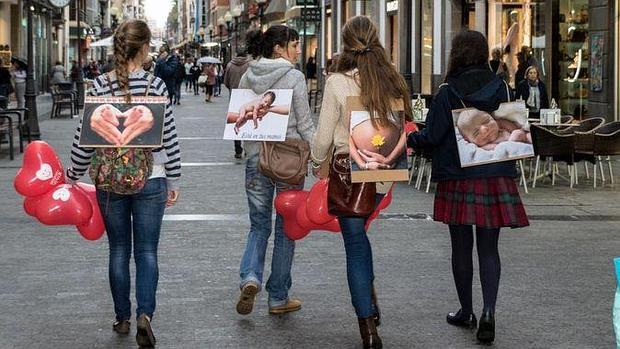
[
  {"x": 287, "y": 202},
  {"x": 302, "y": 217},
  {"x": 332, "y": 226},
  {"x": 30, "y": 205},
  {"x": 65, "y": 205},
  {"x": 294, "y": 231},
  {"x": 94, "y": 228},
  {"x": 41, "y": 170},
  {"x": 317, "y": 208}
]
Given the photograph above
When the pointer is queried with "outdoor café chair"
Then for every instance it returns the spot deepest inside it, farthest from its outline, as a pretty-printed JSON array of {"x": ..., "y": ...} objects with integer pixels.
[{"x": 555, "y": 147}]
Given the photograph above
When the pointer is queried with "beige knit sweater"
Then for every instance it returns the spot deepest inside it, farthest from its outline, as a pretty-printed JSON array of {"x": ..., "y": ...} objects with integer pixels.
[{"x": 333, "y": 126}]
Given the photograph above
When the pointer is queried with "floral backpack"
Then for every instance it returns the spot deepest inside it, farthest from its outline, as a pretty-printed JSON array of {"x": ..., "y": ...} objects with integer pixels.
[{"x": 122, "y": 170}]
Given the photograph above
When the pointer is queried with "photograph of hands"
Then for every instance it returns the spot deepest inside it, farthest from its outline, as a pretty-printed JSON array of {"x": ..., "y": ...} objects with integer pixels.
[
  {"x": 113, "y": 124},
  {"x": 258, "y": 117}
]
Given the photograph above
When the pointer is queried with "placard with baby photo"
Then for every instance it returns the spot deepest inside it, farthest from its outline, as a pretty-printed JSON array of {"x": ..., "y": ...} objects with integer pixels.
[
  {"x": 111, "y": 122},
  {"x": 378, "y": 149},
  {"x": 262, "y": 117},
  {"x": 484, "y": 138}
]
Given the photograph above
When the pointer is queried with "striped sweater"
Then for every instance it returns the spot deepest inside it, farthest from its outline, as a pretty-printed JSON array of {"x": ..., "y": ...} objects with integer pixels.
[{"x": 169, "y": 155}]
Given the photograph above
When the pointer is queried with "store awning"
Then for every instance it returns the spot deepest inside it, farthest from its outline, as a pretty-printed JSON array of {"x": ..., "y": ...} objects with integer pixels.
[{"x": 275, "y": 11}]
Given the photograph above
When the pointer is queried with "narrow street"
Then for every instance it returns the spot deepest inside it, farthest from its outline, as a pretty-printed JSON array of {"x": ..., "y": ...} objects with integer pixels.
[{"x": 556, "y": 291}]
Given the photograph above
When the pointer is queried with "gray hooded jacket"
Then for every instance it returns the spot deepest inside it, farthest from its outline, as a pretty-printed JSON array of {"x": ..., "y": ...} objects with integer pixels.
[{"x": 265, "y": 74}]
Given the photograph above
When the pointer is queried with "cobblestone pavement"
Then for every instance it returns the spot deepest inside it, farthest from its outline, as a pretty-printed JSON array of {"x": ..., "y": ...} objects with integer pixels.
[{"x": 556, "y": 290}]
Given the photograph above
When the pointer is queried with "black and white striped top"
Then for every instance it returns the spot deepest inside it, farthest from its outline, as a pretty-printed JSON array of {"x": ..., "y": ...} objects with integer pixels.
[{"x": 169, "y": 155}]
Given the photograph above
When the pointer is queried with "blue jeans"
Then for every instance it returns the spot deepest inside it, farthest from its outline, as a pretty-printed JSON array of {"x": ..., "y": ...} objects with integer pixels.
[
  {"x": 260, "y": 191},
  {"x": 141, "y": 213},
  {"x": 360, "y": 273}
]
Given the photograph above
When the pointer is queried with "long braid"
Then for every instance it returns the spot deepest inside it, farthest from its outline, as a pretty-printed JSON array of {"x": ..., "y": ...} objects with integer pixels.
[
  {"x": 129, "y": 39},
  {"x": 120, "y": 55}
]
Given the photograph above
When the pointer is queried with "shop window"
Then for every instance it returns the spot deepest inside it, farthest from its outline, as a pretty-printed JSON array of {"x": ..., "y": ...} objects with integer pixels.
[
  {"x": 573, "y": 57},
  {"x": 394, "y": 39},
  {"x": 427, "y": 47}
]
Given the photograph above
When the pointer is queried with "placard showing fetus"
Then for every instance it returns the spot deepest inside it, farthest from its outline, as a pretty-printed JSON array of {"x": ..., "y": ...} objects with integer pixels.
[{"x": 377, "y": 147}]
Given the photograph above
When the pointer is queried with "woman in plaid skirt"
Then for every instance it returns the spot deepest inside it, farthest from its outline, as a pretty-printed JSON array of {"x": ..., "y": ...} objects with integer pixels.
[{"x": 485, "y": 196}]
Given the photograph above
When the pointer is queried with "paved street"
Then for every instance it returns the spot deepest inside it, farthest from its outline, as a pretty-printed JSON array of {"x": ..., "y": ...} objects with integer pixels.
[{"x": 557, "y": 275}]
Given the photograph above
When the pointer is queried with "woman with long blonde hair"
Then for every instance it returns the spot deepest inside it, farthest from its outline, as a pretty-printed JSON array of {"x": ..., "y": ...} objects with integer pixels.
[
  {"x": 138, "y": 216},
  {"x": 363, "y": 70}
]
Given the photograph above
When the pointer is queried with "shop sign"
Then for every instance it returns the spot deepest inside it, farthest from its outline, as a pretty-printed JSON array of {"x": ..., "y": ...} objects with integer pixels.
[
  {"x": 307, "y": 2},
  {"x": 391, "y": 6},
  {"x": 312, "y": 14}
]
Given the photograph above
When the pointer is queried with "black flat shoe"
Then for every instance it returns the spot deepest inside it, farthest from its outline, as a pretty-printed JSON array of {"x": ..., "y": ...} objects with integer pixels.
[
  {"x": 486, "y": 328},
  {"x": 460, "y": 320}
]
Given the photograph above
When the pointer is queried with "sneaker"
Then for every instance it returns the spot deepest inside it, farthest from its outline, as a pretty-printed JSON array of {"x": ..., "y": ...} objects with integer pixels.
[
  {"x": 290, "y": 306},
  {"x": 121, "y": 327},
  {"x": 246, "y": 298},
  {"x": 144, "y": 335}
]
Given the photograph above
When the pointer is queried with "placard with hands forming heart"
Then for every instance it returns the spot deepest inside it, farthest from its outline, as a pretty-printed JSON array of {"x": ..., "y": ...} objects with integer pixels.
[
  {"x": 140, "y": 125},
  {"x": 106, "y": 120}
]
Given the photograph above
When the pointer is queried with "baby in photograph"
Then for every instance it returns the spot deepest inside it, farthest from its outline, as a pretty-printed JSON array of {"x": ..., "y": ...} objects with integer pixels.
[
  {"x": 480, "y": 128},
  {"x": 374, "y": 147},
  {"x": 256, "y": 110}
]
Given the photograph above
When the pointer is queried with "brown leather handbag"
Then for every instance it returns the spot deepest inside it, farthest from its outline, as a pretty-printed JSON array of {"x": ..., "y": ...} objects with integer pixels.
[
  {"x": 286, "y": 161},
  {"x": 346, "y": 199}
]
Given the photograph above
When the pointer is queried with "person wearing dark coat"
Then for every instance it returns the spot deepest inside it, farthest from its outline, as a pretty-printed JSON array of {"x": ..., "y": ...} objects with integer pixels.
[
  {"x": 180, "y": 76},
  {"x": 234, "y": 71},
  {"x": 195, "y": 72},
  {"x": 165, "y": 69},
  {"x": 6, "y": 87},
  {"x": 533, "y": 91},
  {"x": 485, "y": 195}
]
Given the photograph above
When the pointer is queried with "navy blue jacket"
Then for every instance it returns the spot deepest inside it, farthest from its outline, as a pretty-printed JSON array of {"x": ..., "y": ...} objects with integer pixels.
[
  {"x": 523, "y": 92},
  {"x": 477, "y": 87},
  {"x": 166, "y": 69}
]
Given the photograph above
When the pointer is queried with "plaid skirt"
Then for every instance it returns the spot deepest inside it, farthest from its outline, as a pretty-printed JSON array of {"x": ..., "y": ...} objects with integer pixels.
[{"x": 485, "y": 202}]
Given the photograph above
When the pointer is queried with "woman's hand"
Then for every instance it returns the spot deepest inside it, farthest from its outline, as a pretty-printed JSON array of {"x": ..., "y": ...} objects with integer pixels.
[
  {"x": 173, "y": 196},
  {"x": 139, "y": 120},
  {"x": 369, "y": 157},
  {"x": 104, "y": 122},
  {"x": 373, "y": 165}
]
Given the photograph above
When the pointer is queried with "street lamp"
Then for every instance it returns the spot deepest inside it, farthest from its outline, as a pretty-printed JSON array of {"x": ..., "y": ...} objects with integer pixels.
[
  {"x": 31, "y": 95},
  {"x": 79, "y": 82},
  {"x": 236, "y": 12},
  {"x": 228, "y": 18},
  {"x": 220, "y": 28}
]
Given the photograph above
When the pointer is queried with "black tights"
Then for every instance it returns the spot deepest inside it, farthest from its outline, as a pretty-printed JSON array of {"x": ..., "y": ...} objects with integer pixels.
[{"x": 488, "y": 259}]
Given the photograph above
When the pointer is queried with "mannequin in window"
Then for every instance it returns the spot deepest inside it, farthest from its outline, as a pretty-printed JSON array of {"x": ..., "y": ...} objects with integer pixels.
[{"x": 511, "y": 44}]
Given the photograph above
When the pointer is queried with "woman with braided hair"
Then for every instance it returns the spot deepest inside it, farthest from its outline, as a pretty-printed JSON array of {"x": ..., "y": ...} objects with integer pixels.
[
  {"x": 363, "y": 70},
  {"x": 138, "y": 216}
]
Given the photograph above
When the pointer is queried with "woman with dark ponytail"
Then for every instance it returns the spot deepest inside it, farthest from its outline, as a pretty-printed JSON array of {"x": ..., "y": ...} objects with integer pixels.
[
  {"x": 139, "y": 216},
  {"x": 363, "y": 70},
  {"x": 276, "y": 52}
]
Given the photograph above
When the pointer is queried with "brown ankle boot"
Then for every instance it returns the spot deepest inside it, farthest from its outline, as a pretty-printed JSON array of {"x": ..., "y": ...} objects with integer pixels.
[
  {"x": 368, "y": 330},
  {"x": 373, "y": 298}
]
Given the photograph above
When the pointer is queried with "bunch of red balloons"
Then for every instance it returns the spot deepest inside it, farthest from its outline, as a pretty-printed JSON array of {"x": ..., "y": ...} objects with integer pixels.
[
  {"x": 304, "y": 211},
  {"x": 50, "y": 199}
]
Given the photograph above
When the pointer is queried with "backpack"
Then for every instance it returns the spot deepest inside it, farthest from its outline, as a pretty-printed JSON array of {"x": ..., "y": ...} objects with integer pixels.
[{"x": 121, "y": 170}]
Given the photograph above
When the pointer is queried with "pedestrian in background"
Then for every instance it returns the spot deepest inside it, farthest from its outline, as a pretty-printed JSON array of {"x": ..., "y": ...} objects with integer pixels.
[
  {"x": 364, "y": 70},
  {"x": 485, "y": 196},
  {"x": 534, "y": 92},
  {"x": 219, "y": 81},
  {"x": 58, "y": 73},
  {"x": 497, "y": 64},
  {"x": 195, "y": 72},
  {"x": 18, "y": 71},
  {"x": 234, "y": 71},
  {"x": 6, "y": 86},
  {"x": 109, "y": 65},
  {"x": 211, "y": 73},
  {"x": 165, "y": 69},
  {"x": 188, "y": 74},
  {"x": 276, "y": 52},
  {"x": 179, "y": 78},
  {"x": 147, "y": 65},
  {"x": 134, "y": 217}
]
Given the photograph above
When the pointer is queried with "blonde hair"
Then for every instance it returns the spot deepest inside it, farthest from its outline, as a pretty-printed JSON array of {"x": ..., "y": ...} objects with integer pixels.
[{"x": 129, "y": 40}]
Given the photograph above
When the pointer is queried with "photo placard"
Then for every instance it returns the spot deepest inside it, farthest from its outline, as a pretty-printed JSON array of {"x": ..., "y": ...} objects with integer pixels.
[
  {"x": 378, "y": 152},
  {"x": 258, "y": 117},
  {"x": 484, "y": 138},
  {"x": 111, "y": 122}
]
